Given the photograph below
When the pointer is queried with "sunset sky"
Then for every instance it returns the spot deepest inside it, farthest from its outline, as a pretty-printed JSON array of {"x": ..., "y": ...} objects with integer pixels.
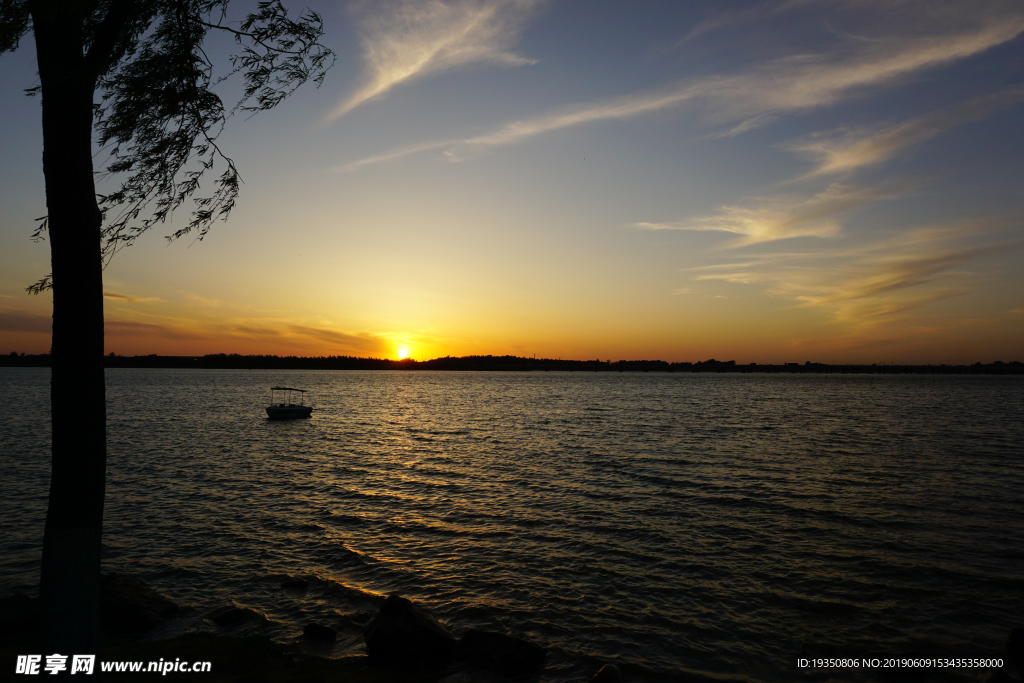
[{"x": 826, "y": 180}]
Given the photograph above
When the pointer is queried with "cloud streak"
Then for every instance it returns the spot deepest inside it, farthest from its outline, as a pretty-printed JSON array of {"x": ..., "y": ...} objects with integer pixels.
[
  {"x": 15, "y": 320},
  {"x": 133, "y": 328},
  {"x": 845, "y": 151},
  {"x": 805, "y": 82},
  {"x": 127, "y": 298},
  {"x": 623, "y": 108},
  {"x": 748, "y": 100},
  {"x": 255, "y": 334},
  {"x": 878, "y": 281},
  {"x": 412, "y": 38},
  {"x": 785, "y": 218},
  {"x": 898, "y": 273},
  {"x": 349, "y": 343},
  {"x": 459, "y": 150}
]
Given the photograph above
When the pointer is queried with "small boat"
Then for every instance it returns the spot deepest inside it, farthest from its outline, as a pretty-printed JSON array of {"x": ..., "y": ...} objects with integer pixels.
[{"x": 287, "y": 408}]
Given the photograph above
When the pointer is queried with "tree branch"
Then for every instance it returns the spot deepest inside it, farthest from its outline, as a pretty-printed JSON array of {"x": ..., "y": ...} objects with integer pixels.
[{"x": 253, "y": 36}]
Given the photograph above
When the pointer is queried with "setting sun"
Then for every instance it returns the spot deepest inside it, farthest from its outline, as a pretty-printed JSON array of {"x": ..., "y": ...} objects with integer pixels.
[{"x": 403, "y": 352}]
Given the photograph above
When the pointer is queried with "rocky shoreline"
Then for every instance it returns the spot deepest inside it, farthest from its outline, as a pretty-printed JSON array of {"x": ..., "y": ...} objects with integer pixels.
[
  {"x": 404, "y": 643},
  {"x": 403, "y": 638}
]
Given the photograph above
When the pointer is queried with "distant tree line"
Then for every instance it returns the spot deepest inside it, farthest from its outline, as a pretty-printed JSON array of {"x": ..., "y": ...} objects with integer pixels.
[{"x": 234, "y": 361}]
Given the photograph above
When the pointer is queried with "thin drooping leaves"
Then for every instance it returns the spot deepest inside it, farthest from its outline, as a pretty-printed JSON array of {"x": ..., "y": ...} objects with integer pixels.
[
  {"x": 159, "y": 116},
  {"x": 160, "y": 112},
  {"x": 14, "y": 22}
]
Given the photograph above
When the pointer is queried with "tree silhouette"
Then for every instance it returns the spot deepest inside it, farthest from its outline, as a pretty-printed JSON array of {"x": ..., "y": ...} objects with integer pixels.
[{"x": 131, "y": 76}]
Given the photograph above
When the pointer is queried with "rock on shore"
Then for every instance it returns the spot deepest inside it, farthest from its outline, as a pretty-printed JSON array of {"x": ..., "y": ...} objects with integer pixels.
[
  {"x": 405, "y": 636},
  {"x": 319, "y": 632},
  {"x": 229, "y": 615},
  {"x": 499, "y": 652},
  {"x": 127, "y": 604}
]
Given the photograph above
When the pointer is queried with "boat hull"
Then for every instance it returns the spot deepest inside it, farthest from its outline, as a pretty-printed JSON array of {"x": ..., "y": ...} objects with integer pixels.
[{"x": 288, "y": 412}]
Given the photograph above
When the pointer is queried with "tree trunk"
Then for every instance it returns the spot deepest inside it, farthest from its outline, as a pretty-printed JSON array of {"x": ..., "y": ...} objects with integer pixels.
[{"x": 69, "y": 580}]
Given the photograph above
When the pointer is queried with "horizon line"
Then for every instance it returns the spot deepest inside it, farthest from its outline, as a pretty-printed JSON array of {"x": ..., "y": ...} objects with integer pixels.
[{"x": 608, "y": 362}]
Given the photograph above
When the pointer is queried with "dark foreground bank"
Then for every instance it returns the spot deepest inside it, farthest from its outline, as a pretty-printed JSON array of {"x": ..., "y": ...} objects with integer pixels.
[{"x": 404, "y": 644}]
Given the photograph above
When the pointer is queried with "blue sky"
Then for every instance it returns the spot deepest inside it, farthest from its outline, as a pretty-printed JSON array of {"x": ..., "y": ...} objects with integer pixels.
[{"x": 772, "y": 181}]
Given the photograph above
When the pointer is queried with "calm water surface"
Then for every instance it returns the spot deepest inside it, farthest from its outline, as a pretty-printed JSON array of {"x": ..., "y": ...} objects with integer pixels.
[{"x": 685, "y": 527}]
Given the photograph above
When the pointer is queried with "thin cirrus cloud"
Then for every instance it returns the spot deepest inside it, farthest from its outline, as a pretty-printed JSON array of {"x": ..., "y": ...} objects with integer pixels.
[
  {"x": 133, "y": 328},
  {"x": 127, "y": 298},
  {"x": 407, "y": 39},
  {"x": 17, "y": 320},
  {"x": 845, "y": 151},
  {"x": 870, "y": 292},
  {"x": 879, "y": 280},
  {"x": 780, "y": 218},
  {"x": 279, "y": 333},
  {"x": 744, "y": 101},
  {"x": 805, "y": 82},
  {"x": 898, "y": 273},
  {"x": 459, "y": 150},
  {"x": 343, "y": 341}
]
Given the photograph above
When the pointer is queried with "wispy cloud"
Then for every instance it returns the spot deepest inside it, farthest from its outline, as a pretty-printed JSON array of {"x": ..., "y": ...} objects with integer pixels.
[
  {"x": 458, "y": 150},
  {"x": 897, "y": 273},
  {"x": 133, "y": 328},
  {"x": 881, "y": 280},
  {"x": 392, "y": 155},
  {"x": 200, "y": 300},
  {"x": 844, "y": 150},
  {"x": 127, "y": 298},
  {"x": 804, "y": 82},
  {"x": 724, "y": 19},
  {"x": 922, "y": 16},
  {"x": 517, "y": 131},
  {"x": 868, "y": 314},
  {"x": 345, "y": 342},
  {"x": 785, "y": 217},
  {"x": 747, "y": 100},
  {"x": 299, "y": 334},
  {"x": 15, "y": 320},
  {"x": 250, "y": 330},
  {"x": 255, "y": 334},
  {"x": 406, "y": 39},
  {"x": 622, "y": 108}
]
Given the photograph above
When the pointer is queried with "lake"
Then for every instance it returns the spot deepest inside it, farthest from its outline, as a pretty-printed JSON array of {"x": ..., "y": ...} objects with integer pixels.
[{"x": 683, "y": 526}]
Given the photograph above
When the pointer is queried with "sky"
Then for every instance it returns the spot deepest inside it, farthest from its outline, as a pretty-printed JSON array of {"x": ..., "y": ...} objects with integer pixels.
[{"x": 837, "y": 181}]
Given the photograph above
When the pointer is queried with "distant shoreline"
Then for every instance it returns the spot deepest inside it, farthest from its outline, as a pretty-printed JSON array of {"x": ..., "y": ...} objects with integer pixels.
[{"x": 234, "y": 361}]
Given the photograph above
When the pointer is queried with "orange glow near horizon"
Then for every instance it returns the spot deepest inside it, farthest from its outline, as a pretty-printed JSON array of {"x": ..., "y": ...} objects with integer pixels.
[{"x": 161, "y": 328}]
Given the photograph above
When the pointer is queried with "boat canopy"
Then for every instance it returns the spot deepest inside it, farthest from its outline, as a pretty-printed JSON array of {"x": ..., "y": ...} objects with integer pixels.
[{"x": 287, "y": 389}]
